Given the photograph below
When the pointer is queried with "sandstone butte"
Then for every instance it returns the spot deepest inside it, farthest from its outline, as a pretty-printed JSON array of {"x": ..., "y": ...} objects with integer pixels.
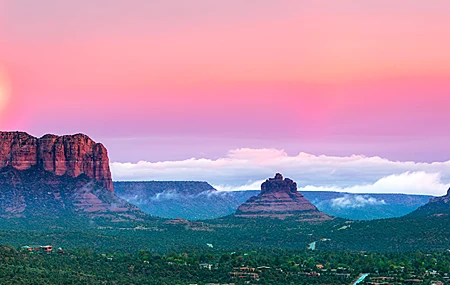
[
  {"x": 279, "y": 198},
  {"x": 71, "y": 155}
]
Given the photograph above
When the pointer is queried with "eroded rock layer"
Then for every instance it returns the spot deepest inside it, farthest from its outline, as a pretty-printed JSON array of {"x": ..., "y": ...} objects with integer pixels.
[{"x": 71, "y": 154}]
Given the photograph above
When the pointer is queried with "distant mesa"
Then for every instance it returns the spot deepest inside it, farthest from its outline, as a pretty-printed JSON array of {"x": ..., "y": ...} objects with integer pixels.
[
  {"x": 191, "y": 200},
  {"x": 279, "y": 198},
  {"x": 70, "y": 155}
]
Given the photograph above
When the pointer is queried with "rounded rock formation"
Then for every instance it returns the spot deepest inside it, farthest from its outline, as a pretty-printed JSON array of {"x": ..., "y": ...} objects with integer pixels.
[{"x": 279, "y": 198}]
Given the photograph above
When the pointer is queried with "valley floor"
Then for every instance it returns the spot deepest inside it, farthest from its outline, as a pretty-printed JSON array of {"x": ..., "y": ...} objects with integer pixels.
[{"x": 209, "y": 266}]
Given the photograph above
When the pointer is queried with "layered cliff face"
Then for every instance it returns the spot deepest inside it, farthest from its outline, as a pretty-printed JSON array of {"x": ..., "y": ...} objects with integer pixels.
[
  {"x": 279, "y": 198},
  {"x": 71, "y": 154},
  {"x": 58, "y": 177}
]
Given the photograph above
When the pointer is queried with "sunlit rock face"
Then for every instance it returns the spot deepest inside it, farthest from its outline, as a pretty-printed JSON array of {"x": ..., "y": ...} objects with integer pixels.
[
  {"x": 59, "y": 177},
  {"x": 71, "y": 154},
  {"x": 279, "y": 198}
]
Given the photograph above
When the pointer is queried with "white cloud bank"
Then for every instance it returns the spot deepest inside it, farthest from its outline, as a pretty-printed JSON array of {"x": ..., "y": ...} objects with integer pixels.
[
  {"x": 408, "y": 182},
  {"x": 245, "y": 169}
]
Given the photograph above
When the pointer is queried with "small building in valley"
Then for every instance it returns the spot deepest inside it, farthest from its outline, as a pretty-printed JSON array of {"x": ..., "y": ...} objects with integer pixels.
[{"x": 205, "y": 266}]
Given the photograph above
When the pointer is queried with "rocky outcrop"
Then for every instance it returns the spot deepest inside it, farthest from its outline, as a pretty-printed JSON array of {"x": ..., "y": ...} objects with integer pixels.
[
  {"x": 40, "y": 195},
  {"x": 70, "y": 155},
  {"x": 279, "y": 198},
  {"x": 435, "y": 207},
  {"x": 443, "y": 199}
]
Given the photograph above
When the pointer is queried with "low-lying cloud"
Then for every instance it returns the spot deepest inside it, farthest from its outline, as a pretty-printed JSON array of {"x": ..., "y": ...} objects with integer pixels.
[
  {"x": 245, "y": 169},
  {"x": 166, "y": 195},
  {"x": 408, "y": 182},
  {"x": 172, "y": 195},
  {"x": 357, "y": 201}
]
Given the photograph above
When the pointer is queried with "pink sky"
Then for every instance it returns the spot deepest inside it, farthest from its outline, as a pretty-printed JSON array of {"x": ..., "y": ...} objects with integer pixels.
[{"x": 161, "y": 80}]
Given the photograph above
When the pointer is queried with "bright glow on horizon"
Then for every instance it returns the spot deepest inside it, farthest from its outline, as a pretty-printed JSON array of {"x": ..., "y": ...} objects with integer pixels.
[
  {"x": 337, "y": 74},
  {"x": 4, "y": 89}
]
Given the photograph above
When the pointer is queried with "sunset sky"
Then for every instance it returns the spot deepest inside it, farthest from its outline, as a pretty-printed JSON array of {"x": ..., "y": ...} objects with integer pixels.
[{"x": 178, "y": 79}]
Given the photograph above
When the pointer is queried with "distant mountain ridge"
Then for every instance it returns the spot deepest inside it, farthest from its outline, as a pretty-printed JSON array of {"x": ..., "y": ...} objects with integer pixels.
[
  {"x": 193, "y": 201},
  {"x": 364, "y": 206},
  {"x": 182, "y": 187}
]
